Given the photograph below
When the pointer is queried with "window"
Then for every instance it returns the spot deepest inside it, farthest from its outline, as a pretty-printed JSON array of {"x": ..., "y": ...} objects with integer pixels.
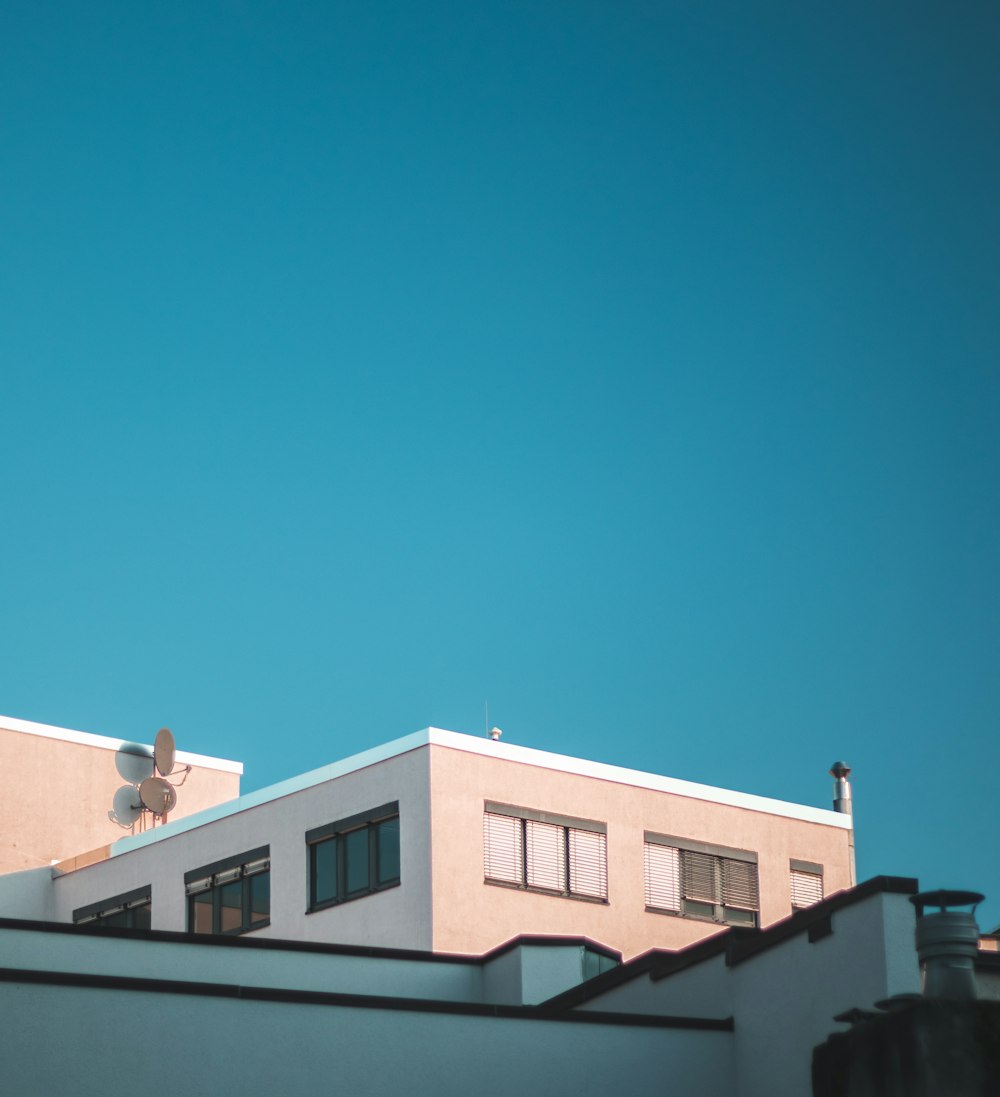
[
  {"x": 697, "y": 880},
  {"x": 132, "y": 910},
  {"x": 806, "y": 883},
  {"x": 354, "y": 857},
  {"x": 539, "y": 851},
  {"x": 231, "y": 896},
  {"x": 596, "y": 963}
]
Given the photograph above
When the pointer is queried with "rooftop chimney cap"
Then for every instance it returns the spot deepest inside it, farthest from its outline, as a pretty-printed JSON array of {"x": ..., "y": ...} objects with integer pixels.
[
  {"x": 944, "y": 898},
  {"x": 840, "y": 769}
]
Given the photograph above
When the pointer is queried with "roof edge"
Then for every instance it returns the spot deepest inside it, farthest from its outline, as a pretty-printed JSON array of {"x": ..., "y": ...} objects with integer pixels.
[
  {"x": 564, "y": 763},
  {"x": 106, "y": 742}
]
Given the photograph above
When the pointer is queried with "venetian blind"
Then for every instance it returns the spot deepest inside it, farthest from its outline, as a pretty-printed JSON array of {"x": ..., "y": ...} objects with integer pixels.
[
  {"x": 663, "y": 877},
  {"x": 545, "y": 844},
  {"x": 807, "y": 888},
  {"x": 502, "y": 848},
  {"x": 588, "y": 863}
]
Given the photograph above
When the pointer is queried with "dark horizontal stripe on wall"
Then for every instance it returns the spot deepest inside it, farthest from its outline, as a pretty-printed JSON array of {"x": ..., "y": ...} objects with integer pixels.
[
  {"x": 238, "y": 860},
  {"x": 353, "y": 1001},
  {"x": 115, "y": 901},
  {"x": 550, "y": 817},
  {"x": 352, "y": 822},
  {"x": 281, "y": 944},
  {"x": 673, "y": 842}
]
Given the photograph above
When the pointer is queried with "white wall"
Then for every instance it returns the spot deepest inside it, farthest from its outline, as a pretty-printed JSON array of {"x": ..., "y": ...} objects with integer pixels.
[
  {"x": 531, "y": 973},
  {"x": 206, "y": 960},
  {"x": 27, "y": 894},
  {"x": 702, "y": 990},
  {"x": 399, "y": 917},
  {"x": 57, "y": 1041},
  {"x": 783, "y": 999}
]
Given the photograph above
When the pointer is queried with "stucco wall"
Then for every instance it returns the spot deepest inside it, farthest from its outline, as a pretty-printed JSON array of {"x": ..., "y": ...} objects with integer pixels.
[
  {"x": 55, "y": 793},
  {"x": 473, "y": 916},
  {"x": 225, "y": 1045},
  {"x": 783, "y": 1000},
  {"x": 238, "y": 963}
]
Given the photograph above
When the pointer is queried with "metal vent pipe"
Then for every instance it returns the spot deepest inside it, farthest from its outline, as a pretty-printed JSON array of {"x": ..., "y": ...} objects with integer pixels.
[
  {"x": 947, "y": 943},
  {"x": 840, "y": 771}
]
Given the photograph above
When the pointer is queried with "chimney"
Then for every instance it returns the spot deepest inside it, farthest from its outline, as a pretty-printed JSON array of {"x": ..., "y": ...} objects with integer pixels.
[
  {"x": 947, "y": 943},
  {"x": 840, "y": 771}
]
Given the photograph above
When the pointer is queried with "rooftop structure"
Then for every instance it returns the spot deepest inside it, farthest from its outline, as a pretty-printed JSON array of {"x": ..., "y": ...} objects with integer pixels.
[{"x": 58, "y": 786}]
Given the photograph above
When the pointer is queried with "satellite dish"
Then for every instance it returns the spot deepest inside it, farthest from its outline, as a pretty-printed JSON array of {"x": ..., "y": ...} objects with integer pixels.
[
  {"x": 163, "y": 752},
  {"x": 157, "y": 795},
  {"x": 134, "y": 762},
  {"x": 126, "y": 807}
]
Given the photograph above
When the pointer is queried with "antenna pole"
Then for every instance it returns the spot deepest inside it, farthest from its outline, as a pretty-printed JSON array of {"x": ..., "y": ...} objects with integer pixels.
[{"x": 487, "y": 704}]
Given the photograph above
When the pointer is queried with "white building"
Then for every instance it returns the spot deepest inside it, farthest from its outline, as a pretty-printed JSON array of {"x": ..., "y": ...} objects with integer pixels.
[{"x": 452, "y": 843}]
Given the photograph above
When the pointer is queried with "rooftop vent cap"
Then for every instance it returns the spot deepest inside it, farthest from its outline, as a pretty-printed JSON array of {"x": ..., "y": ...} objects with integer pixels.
[
  {"x": 947, "y": 943},
  {"x": 840, "y": 771}
]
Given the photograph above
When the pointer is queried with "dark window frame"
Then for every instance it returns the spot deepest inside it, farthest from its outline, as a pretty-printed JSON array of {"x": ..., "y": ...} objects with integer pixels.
[
  {"x": 129, "y": 903},
  {"x": 566, "y": 823},
  {"x": 338, "y": 836},
  {"x": 213, "y": 880},
  {"x": 714, "y": 909}
]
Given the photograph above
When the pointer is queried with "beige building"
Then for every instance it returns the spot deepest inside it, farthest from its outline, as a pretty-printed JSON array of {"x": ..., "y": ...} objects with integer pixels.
[
  {"x": 58, "y": 786},
  {"x": 452, "y": 844}
]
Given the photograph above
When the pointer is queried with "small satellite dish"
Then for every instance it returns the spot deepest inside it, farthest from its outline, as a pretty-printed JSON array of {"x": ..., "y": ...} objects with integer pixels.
[
  {"x": 134, "y": 762},
  {"x": 126, "y": 805},
  {"x": 157, "y": 795},
  {"x": 163, "y": 752},
  {"x": 495, "y": 734}
]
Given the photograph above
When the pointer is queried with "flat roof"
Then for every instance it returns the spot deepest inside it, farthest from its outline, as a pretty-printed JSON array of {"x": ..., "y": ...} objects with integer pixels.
[
  {"x": 105, "y": 742},
  {"x": 509, "y": 752}
]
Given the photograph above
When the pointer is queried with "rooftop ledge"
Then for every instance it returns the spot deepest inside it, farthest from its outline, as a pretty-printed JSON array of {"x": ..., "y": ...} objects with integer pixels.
[
  {"x": 106, "y": 742},
  {"x": 473, "y": 744}
]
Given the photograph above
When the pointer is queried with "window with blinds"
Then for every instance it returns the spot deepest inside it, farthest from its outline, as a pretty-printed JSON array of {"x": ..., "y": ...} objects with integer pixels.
[
  {"x": 806, "y": 883},
  {"x": 696, "y": 880},
  {"x": 539, "y": 851}
]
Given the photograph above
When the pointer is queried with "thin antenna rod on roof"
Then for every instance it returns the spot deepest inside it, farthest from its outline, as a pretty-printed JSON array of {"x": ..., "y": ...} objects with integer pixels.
[{"x": 487, "y": 706}]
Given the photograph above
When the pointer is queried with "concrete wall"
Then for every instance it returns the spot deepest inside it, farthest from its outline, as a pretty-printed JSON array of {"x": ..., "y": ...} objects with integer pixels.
[
  {"x": 57, "y": 1041},
  {"x": 702, "y": 990},
  {"x": 57, "y": 786},
  {"x": 239, "y": 1016},
  {"x": 28, "y": 894},
  {"x": 783, "y": 999},
  {"x": 237, "y": 963},
  {"x": 530, "y": 973},
  {"x": 398, "y": 917},
  {"x": 472, "y": 916}
]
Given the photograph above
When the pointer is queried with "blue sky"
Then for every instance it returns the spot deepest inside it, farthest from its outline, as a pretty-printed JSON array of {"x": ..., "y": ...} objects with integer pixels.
[{"x": 631, "y": 367}]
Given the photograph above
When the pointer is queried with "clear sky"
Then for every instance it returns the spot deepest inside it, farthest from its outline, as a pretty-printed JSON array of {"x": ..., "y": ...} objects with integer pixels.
[{"x": 633, "y": 367}]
